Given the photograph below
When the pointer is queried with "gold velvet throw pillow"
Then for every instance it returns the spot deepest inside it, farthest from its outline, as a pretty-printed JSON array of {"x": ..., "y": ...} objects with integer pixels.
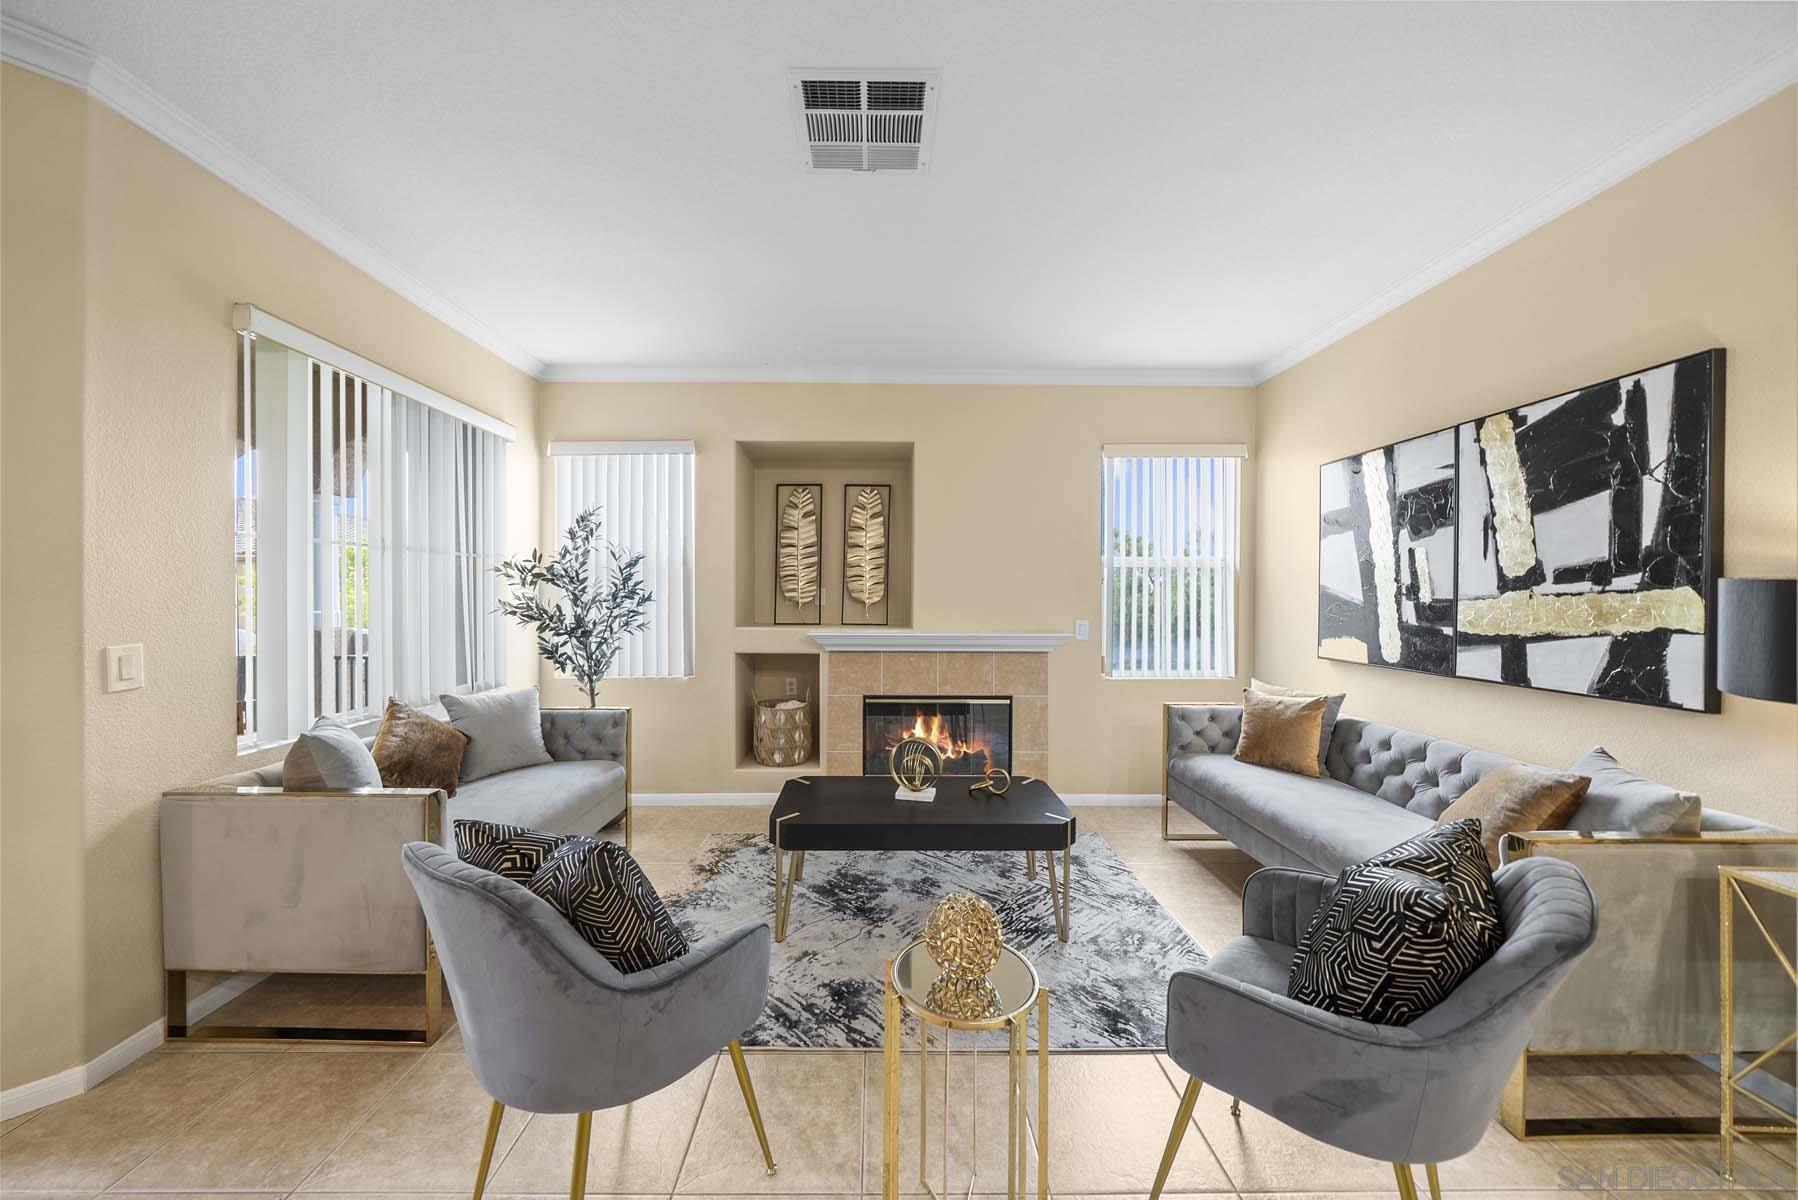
[
  {"x": 1517, "y": 799},
  {"x": 414, "y": 749},
  {"x": 1281, "y": 732}
]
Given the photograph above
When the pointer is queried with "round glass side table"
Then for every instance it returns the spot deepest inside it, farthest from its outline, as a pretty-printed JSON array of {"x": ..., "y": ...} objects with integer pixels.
[{"x": 1004, "y": 1001}]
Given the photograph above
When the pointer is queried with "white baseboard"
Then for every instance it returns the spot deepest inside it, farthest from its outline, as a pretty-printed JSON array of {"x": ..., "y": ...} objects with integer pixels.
[
  {"x": 667, "y": 799},
  {"x": 29, "y": 1097}
]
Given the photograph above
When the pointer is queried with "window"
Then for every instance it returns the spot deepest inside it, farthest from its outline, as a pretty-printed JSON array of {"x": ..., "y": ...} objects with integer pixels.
[
  {"x": 369, "y": 512},
  {"x": 1169, "y": 561},
  {"x": 645, "y": 493}
]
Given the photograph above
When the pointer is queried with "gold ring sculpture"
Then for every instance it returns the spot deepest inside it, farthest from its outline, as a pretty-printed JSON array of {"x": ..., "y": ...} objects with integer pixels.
[
  {"x": 997, "y": 781},
  {"x": 915, "y": 764}
]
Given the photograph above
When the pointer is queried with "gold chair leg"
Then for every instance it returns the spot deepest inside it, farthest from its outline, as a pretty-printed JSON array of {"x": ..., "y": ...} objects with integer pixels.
[
  {"x": 1407, "y": 1186},
  {"x": 480, "y": 1175},
  {"x": 1429, "y": 1169},
  {"x": 1181, "y": 1119},
  {"x": 1236, "y": 1108},
  {"x": 1030, "y": 864},
  {"x": 755, "y": 1111},
  {"x": 583, "y": 1135}
]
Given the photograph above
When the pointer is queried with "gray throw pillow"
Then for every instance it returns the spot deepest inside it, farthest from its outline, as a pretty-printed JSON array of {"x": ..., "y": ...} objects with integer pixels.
[
  {"x": 504, "y": 728},
  {"x": 329, "y": 757},
  {"x": 1622, "y": 800}
]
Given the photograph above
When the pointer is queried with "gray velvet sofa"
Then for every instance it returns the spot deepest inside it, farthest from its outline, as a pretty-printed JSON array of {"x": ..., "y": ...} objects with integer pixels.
[
  {"x": 256, "y": 878},
  {"x": 1649, "y": 983}
]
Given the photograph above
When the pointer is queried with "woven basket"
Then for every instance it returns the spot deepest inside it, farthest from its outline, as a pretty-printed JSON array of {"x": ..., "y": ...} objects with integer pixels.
[{"x": 783, "y": 732}]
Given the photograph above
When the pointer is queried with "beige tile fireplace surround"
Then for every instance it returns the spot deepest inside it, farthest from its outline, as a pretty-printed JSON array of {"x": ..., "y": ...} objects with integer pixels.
[{"x": 850, "y": 675}]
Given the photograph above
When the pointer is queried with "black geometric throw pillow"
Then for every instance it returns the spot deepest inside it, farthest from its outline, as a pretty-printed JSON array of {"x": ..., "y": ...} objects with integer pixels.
[
  {"x": 509, "y": 850},
  {"x": 1401, "y": 930},
  {"x": 604, "y": 894}
]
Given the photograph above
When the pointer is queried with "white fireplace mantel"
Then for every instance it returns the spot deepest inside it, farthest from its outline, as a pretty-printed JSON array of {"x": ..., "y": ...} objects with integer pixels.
[{"x": 918, "y": 640}]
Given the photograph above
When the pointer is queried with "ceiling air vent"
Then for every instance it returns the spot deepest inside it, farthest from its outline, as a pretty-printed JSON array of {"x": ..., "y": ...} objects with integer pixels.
[{"x": 864, "y": 120}]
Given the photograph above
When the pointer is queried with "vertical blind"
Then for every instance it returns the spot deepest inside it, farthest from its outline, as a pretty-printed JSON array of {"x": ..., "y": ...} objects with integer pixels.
[
  {"x": 1169, "y": 559},
  {"x": 645, "y": 493},
  {"x": 368, "y": 526}
]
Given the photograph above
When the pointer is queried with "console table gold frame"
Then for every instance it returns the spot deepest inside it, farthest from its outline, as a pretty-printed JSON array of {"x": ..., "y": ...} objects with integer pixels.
[
  {"x": 1015, "y": 1023},
  {"x": 1730, "y": 884}
]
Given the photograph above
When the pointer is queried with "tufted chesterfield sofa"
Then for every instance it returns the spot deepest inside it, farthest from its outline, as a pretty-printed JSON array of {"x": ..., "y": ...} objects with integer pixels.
[
  {"x": 256, "y": 878},
  {"x": 1649, "y": 984}
]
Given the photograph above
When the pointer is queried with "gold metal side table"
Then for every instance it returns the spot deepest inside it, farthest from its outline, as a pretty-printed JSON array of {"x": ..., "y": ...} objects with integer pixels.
[
  {"x": 1734, "y": 884},
  {"x": 914, "y": 982}
]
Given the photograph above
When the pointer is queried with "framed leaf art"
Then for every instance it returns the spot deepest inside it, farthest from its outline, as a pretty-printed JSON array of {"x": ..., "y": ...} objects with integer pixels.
[
  {"x": 867, "y": 534},
  {"x": 798, "y": 546}
]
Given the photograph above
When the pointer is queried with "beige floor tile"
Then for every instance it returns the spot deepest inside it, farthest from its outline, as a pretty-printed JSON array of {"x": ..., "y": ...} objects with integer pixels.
[
  {"x": 277, "y": 1127},
  {"x": 423, "y": 1135},
  {"x": 1672, "y": 1164},
  {"x": 12, "y": 1123},
  {"x": 1109, "y": 1116},
  {"x": 812, "y": 1105},
  {"x": 634, "y": 1148},
  {"x": 1261, "y": 1154},
  {"x": 10, "y": 1194},
  {"x": 91, "y": 1140},
  {"x": 992, "y": 1130},
  {"x": 200, "y": 1195},
  {"x": 222, "y": 1046},
  {"x": 1503, "y": 1163}
]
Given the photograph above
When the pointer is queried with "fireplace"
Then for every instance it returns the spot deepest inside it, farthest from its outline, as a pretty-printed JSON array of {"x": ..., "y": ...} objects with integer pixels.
[{"x": 973, "y": 732}]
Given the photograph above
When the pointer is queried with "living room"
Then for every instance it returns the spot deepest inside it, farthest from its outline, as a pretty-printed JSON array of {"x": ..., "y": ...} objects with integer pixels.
[{"x": 1169, "y": 487}]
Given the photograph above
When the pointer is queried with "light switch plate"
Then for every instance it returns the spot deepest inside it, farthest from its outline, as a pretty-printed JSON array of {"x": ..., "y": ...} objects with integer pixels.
[
  {"x": 1082, "y": 631},
  {"x": 124, "y": 667}
]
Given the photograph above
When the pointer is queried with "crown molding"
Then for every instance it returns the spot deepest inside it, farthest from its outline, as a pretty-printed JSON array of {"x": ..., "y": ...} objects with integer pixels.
[
  {"x": 1218, "y": 377},
  {"x": 1773, "y": 74},
  {"x": 47, "y": 53}
]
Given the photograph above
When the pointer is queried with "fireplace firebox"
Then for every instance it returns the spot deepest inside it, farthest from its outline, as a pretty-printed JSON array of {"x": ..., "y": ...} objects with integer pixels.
[{"x": 973, "y": 732}]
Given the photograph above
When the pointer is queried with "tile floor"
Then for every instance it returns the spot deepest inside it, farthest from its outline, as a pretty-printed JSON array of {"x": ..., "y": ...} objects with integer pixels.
[{"x": 324, "y": 1123}]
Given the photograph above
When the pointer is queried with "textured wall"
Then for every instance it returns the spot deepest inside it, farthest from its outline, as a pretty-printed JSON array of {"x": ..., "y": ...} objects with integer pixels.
[
  {"x": 1698, "y": 250},
  {"x": 168, "y": 249},
  {"x": 1005, "y": 512},
  {"x": 41, "y": 372}
]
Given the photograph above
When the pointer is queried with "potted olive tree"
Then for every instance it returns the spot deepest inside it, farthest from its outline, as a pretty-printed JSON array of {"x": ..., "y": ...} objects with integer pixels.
[{"x": 581, "y": 603}]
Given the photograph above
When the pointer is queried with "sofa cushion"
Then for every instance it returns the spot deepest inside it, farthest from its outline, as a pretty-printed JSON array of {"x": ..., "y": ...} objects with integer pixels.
[
  {"x": 1517, "y": 799},
  {"x": 1332, "y": 712},
  {"x": 1424, "y": 774},
  {"x": 504, "y": 728},
  {"x": 1621, "y": 799},
  {"x": 1454, "y": 856},
  {"x": 1282, "y": 732},
  {"x": 554, "y": 797},
  {"x": 414, "y": 749},
  {"x": 1325, "y": 823},
  {"x": 329, "y": 757}
]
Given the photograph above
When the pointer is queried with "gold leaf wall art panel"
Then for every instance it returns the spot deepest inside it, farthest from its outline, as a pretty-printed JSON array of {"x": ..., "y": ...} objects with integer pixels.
[
  {"x": 865, "y": 547},
  {"x": 798, "y": 546}
]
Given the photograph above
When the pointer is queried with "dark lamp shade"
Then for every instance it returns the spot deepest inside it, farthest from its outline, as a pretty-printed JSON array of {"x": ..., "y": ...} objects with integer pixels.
[{"x": 1757, "y": 638}]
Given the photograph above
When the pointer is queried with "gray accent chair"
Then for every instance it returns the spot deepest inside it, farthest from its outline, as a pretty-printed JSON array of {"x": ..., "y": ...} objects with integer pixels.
[
  {"x": 256, "y": 878},
  {"x": 1424, "y": 1092},
  {"x": 550, "y": 1026}
]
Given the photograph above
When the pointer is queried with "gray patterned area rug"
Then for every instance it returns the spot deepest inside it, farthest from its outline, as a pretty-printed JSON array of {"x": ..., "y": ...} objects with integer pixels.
[{"x": 854, "y": 910}]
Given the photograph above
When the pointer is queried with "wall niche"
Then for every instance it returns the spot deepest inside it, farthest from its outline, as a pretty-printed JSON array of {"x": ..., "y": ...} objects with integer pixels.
[{"x": 766, "y": 475}]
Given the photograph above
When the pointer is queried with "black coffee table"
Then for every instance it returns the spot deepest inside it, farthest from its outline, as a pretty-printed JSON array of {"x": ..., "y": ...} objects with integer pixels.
[{"x": 859, "y": 812}]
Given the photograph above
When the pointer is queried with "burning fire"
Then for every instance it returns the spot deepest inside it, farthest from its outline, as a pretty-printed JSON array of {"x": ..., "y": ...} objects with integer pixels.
[{"x": 931, "y": 730}]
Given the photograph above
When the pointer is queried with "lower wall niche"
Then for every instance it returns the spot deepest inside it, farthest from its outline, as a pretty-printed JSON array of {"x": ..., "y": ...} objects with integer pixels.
[{"x": 776, "y": 677}]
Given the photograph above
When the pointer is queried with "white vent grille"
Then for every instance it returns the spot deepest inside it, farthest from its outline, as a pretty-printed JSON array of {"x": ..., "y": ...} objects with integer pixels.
[{"x": 864, "y": 120}]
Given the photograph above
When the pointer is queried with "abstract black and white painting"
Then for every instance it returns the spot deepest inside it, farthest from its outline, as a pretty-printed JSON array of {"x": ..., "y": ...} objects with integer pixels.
[
  {"x": 1586, "y": 543},
  {"x": 1570, "y": 544},
  {"x": 1386, "y": 556}
]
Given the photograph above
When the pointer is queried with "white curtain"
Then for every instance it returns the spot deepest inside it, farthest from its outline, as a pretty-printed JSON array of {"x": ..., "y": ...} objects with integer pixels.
[
  {"x": 645, "y": 492},
  {"x": 1170, "y": 552},
  {"x": 439, "y": 487}
]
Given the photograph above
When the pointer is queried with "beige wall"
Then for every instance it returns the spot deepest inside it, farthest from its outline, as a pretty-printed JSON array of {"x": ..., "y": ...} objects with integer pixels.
[
  {"x": 1698, "y": 250},
  {"x": 150, "y": 395},
  {"x": 42, "y": 351},
  {"x": 1005, "y": 501}
]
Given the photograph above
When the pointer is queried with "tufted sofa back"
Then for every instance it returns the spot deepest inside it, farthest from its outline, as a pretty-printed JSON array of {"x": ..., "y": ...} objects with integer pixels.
[{"x": 1412, "y": 770}]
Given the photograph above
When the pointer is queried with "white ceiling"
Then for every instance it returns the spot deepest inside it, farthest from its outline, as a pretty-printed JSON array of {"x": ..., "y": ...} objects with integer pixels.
[{"x": 1151, "y": 190}]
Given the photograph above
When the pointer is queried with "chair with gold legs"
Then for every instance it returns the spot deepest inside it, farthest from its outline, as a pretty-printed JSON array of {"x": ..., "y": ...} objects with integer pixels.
[
  {"x": 550, "y": 1026},
  {"x": 1419, "y": 1093}
]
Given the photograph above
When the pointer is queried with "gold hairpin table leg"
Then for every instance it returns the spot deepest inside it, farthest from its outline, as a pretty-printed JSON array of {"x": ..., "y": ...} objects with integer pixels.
[
  {"x": 1030, "y": 864},
  {"x": 889, "y": 1125},
  {"x": 1042, "y": 1094}
]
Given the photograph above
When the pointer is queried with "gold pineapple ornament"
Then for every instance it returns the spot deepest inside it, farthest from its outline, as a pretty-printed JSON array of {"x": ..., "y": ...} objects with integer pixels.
[{"x": 963, "y": 937}]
